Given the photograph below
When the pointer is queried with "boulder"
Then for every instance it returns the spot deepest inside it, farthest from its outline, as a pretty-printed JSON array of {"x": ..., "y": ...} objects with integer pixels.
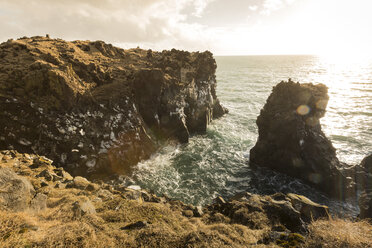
[
  {"x": 291, "y": 141},
  {"x": 80, "y": 183},
  {"x": 258, "y": 212},
  {"x": 16, "y": 193},
  {"x": 308, "y": 209}
]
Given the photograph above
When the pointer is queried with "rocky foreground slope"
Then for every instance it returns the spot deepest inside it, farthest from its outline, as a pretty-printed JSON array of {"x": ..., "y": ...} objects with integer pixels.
[
  {"x": 98, "y": 109},
  {"x": 44, "y": 206}
]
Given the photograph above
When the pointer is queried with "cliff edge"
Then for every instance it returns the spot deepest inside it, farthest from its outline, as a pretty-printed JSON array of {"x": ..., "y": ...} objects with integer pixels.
[{"x": 97, "y": 109}]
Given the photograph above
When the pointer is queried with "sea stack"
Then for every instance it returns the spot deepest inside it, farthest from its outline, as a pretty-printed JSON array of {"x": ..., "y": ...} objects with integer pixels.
[
  {"x": 291, "y": 141},
  {"x": 95, "y": 108}
]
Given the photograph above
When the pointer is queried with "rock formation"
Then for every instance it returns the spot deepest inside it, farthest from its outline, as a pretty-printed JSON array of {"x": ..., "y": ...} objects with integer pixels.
[
  {"x": 98, "y": 109},
  {"x": 364, "y": 179},
  {"x": 291, "y": 141}
]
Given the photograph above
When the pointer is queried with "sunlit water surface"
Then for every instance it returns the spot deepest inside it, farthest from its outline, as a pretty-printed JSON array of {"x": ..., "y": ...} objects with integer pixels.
[{"x": 216, "y": 163}]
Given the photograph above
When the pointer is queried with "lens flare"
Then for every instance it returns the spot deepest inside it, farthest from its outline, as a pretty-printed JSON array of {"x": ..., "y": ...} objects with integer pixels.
[{"x": 303, "y": 110}]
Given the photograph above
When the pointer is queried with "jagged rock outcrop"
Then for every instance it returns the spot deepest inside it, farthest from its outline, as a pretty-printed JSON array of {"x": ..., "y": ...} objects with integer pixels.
[
  {"x": 98, "y": 109},
  {"x": 364, "y": 179},
  {"x": 291, "y": 211},
  {"x": 291, "y": 141}
]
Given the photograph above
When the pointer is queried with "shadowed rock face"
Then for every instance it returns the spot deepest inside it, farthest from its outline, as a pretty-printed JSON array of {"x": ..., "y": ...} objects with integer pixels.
[
  {"x": 97, "y": 109},
  {"x": 291, "y": 140},
  {"x": 364, "y": 177}
]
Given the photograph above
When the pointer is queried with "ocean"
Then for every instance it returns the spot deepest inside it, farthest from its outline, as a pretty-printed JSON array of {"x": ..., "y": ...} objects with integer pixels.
[{"x": 216, "y": 163}]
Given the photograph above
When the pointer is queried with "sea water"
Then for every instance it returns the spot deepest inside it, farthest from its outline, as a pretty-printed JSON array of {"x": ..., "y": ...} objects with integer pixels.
[{"x": 216, "y": 163}]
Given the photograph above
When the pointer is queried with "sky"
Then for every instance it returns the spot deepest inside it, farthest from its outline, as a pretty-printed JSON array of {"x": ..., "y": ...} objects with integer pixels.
[{"x": 225, "y": 27}]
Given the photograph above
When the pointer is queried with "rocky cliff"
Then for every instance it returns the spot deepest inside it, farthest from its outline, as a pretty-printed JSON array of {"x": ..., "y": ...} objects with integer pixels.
[
  {"x": 291, "y": 139},
  {"x": 97, "y": 109}
]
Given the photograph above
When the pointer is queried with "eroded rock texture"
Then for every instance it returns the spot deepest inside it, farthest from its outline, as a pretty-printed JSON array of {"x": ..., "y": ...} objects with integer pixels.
[
  {"x": 291, "y": 140},
  {"x": 95, "y": 108}
]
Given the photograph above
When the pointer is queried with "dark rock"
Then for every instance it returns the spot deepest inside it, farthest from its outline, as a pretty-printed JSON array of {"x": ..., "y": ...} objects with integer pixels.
[
  {"x": 62, "y": 173},
  {"x": 365, "y": 205},
  {"x": 92, "y": 187},
  {"x": 257, "y": 212},
  {"x": 364, "y": 181},
  {"x": 46, "y": 174},
  {"x": 291, "y": 140},
  {"x": 364, "y": 174},
  {"x": 43, "y": 184},
  {"x": 137, "y": 225}
]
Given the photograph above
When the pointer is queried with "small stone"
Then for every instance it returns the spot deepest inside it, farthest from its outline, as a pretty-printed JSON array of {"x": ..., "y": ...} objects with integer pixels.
[
  {"x": 104, "y": 194},
  {"x": 81, "y": 208},
  {"x": 132, "y": 194},
  {"x": 62, "y": 173},
  {"x": 93, "y": 187},
  {"x": 60, "y": 185},
  {"x": 46, "y": 174},
  {"x": 188, "y": 213},
  {"x": 137, "y": 225},
  {"x": 80, "y": 182}
]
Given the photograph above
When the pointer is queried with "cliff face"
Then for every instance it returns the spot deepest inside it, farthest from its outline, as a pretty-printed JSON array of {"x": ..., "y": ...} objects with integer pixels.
[
  {"x": 291, "y": 140},
  {"x": 92, "y": 107}
]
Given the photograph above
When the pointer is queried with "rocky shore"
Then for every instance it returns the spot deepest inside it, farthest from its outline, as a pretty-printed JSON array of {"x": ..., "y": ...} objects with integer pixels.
[
  {"x": 74, "y": 113},
  {"x": 44, "y": 206}
]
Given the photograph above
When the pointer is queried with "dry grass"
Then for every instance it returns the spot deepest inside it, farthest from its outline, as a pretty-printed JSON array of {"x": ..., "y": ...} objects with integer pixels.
[{"x": 340, "y": 233}]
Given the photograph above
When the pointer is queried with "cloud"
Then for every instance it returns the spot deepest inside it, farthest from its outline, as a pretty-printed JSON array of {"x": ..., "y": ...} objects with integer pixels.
[
  {"x": 270, "y": 6},
  {"x": 116, "y": 21},
  {"x": 253, "y": 7},
  {"x": 200, "y": 5}
]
